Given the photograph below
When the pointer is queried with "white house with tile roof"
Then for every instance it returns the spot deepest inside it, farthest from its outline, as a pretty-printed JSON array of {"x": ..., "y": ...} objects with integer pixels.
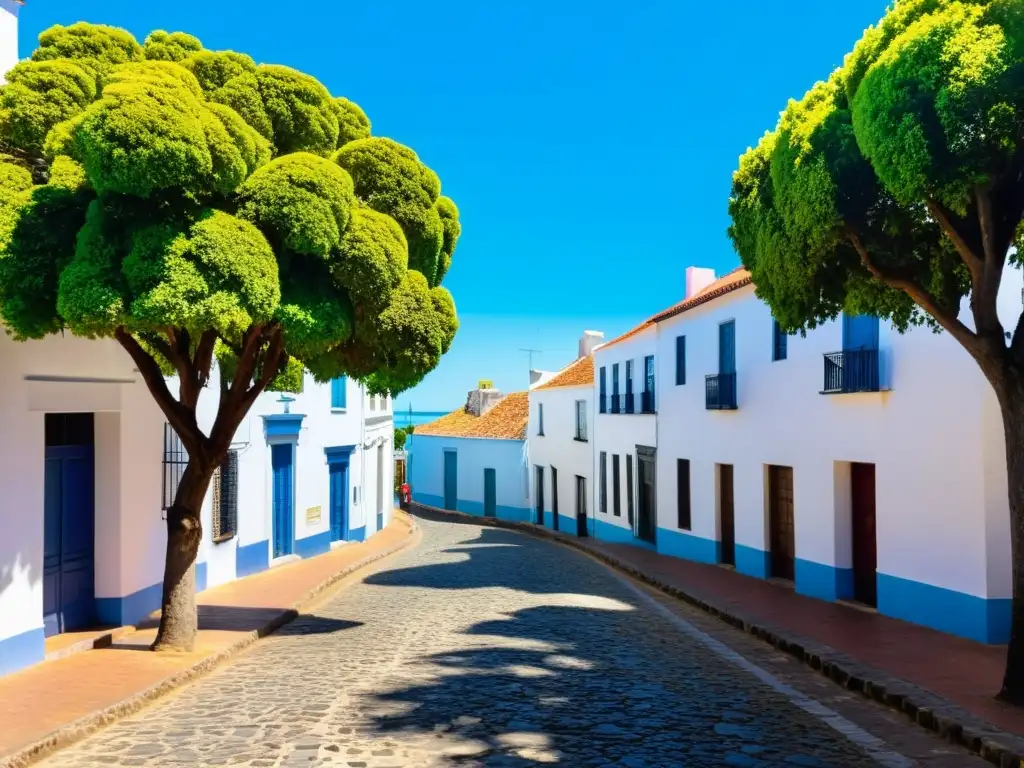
[
  {"x": 855, "y": 462},
  {"x": 560, "y": 442}
]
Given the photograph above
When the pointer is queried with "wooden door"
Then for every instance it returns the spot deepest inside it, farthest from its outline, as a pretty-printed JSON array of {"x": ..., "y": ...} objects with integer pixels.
[
  {"x": 725, "y": 505},
  {"x": 490, "y": 493},
  {"x": 554, "y": 498},
  {"x": 781, "y": 523},
  {"x": 281, "y": 460},
  {"x": 451, "y": 479},
  {"x": 865, "y": 546}
]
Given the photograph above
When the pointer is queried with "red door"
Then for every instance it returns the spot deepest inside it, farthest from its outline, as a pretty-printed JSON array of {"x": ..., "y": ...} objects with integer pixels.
[{"x": 865, "y": 547}]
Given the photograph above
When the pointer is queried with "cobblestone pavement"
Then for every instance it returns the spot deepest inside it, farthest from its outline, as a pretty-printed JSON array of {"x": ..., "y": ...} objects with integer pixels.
[{"x": 485, "y": 647}]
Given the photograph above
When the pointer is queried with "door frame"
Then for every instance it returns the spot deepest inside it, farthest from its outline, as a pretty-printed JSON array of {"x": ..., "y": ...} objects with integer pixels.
[
  {"x": 538, "y": 489},
  {"x": 554, "y": 498},
  {"x": 648, "y": 454},
  {"x": 340, "y": 456},
  {"x": 292, "y": 451},
  {"x": 773, "y": 472},
  {"x": 865, "y": 586},
  {"x": 581, "y": 509}
]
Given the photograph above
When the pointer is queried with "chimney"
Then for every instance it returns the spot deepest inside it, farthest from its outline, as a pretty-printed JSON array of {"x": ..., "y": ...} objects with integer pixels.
[
  {"x": 483, "y": 398},
  {"x": 588, "y": 341},
  {"x": 697, "y": 279},
  {"x": 8, "y": 35}
]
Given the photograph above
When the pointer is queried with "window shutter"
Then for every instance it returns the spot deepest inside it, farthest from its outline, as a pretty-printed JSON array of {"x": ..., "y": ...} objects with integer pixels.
[
  {"x": 680, "y": 360},
  {"x": 225, "y": 501},
  {"x": 683, "y": 492}
]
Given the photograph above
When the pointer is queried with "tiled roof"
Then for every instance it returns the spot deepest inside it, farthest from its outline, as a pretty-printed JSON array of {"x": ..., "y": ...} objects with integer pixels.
[
  {"x": 505, "y": 421},
  {"x": 577, "y": 374},
  {"x": 628, "y": 334},
  {"x": 736, "y": 279}
]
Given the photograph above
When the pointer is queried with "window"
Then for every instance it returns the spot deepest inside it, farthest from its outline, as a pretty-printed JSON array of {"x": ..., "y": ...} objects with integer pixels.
[
  {"x": 683, "y": 492},
  {"x": 680, "y": 360},
  {"x": 373, "y": 402},
  {"x": 779, "y": 342},
  {"x": 338, "y": 392},
  {"x": 581, "y": 420},
  {"x": 629, "y": 378},
  {"x": 540, "y": 419},
  {"x": 604, "y": 483},
  {"x": 616, "y": 504},
  {"x": 615, "y": 380},
  {"x": 649, "y": 373},
  {"x": 225, "y": 498},
  {"x": 629, "y": 489},
  {"x": 175, "y": 461},
  {"x": 603, "y": 391}
]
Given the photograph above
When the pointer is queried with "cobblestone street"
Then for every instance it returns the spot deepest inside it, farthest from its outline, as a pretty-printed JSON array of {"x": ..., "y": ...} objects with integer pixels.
[{"x": 488, "y": 647}]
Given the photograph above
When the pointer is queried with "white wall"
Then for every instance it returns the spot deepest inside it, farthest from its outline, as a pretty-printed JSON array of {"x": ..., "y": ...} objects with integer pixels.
[
  {"x": 933, "y": 439},
  {"x": 8, "y": 36},
  {"x": 559, "y": 448},
  {"x": 621, "y": 433}
]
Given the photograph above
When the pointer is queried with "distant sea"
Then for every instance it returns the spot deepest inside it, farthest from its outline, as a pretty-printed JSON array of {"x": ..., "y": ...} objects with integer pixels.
[{"x": 405, "y": 418}]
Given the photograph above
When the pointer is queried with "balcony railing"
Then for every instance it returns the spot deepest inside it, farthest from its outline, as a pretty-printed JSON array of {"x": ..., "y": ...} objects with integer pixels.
[
  {"x": 852, "y": 370},
  {"x": 623, "y": 403},
  {"x": 647, "y": 401},
  {"x": 720, "y": 392},
  {"x": 616, "y": 403},
  {"x": 602, "y": 406}
]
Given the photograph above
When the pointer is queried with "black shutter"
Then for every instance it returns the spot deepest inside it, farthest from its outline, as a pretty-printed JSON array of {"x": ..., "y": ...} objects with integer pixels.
[
  {"x": 616, "y": 504},
  {"x": 604, "y": 483},
  {"x": 629, "y": 488},
  {"x": 226, "y": 509},
  {"x": 683, "y": 492},
  {"x": 680, "y": 360}
]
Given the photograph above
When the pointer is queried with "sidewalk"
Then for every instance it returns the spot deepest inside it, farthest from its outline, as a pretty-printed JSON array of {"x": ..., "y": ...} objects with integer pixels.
[
  {"x": 56, "y": 702},
  {"x": 944, "y": 683}
]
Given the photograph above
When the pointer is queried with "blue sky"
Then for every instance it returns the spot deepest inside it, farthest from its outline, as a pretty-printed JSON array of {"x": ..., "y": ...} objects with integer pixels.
[{"x": 589, "y": 145}]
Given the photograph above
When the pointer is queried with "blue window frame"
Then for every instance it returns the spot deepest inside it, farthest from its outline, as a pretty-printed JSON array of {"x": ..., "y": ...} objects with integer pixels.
[
  {"x": 680, "y": 360},
  {"x": 603, "y": 405},
  {"x": 779, "y": 342},
  {"x": 649, "y": 373},
  {"x": 615, "y": 380},
  {"x": 338, "y": 392}
]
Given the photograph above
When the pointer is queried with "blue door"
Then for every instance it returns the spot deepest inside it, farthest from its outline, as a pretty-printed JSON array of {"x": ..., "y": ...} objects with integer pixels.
[
  {"x": 490, "y": 494},
  {"x": 338, "y": 478},
  {"x": 451, "y": 479},
  {"x": 69, "y": 521},
  {"x": 727, "y": 347},
  {"x": 283, "y": 518},
  {"x": 860, "y": 358},
  {"x": 860, "y": 332}
]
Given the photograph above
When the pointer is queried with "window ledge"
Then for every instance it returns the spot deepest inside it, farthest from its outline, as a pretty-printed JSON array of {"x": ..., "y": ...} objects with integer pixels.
[
  {"x": 225, "y": 537},
  {"x": 339, "y": 410},
  {"x": 581, "y": 440}
]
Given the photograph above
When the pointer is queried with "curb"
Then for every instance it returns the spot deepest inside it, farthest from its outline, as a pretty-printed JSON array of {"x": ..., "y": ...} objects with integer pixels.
[
  {"x": 921, "y": 706},
  {"x": 89, "y": 724}
]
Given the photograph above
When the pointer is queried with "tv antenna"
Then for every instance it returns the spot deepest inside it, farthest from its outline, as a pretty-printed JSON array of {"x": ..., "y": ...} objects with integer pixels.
[{"x": 531, "y": 353}]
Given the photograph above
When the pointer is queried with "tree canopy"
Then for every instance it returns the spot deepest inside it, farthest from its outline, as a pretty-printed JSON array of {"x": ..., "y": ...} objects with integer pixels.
[
  {"x": 894, "y": 187},
  {"x": 166, "y": 191}
]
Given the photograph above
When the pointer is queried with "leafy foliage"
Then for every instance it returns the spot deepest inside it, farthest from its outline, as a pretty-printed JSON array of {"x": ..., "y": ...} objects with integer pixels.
[
  {"x": 191, "y": 192},
  {"x": 853, "y": 201}
]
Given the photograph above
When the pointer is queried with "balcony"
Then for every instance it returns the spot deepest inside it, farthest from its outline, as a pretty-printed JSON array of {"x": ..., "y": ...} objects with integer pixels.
[
  {"x": 647, "y": 401},
  {"x": 623, "y": 403},
  {"x": 852, "y": 370},
  {"x": 720, "y": 392},
  {"x": 616, "y": 403}
]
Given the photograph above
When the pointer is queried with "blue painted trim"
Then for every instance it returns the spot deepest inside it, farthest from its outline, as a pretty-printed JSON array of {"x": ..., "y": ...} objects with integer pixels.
[
  {"x": 130, "y": 609},
  {"x": 753, "y": 562},
  {"x": 200, "y": 577},
  {"x": 338, "y": 454},
  {"x": 513, "y": 514},
  {"x": 548, "y": 519},
  {"x": 976, "y": 618},
  {"x": 617, "y": 534},
  {"x": 22, "y": 650},
  {"x": 282, "y": 425},
  {"x": 825, "y": 582},
  {"x": 567, "y": 525},
  {"x": 688, "y": 546},
  {"x": 252, "y": 558},
  {"x": 357, "y": 534},
  {"x": 314, "y": 545},
  {"x": 431, "y": 500}
]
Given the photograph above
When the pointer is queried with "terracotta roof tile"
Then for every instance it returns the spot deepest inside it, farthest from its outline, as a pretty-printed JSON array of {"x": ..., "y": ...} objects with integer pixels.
[
  {"x": 576, "y": 374},
  {"x": 628, "y": 334},
  {"x": 505, "y": 421},
  {"x": 734, "y": 280}
]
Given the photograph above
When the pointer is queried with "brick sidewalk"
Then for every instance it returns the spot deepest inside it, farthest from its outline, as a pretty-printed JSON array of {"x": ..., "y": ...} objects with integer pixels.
[
  {"x": 944, "y": 683},
  {"x": 55, "y": 702}
]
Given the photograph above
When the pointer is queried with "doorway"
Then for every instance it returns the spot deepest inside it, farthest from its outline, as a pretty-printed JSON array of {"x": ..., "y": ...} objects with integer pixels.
[
  {"x": 338, "y": 479},
  {"x": 726, "y": 513},
  {"x": 451, "y": 479},
  {"x": 581, "y": 506},
  {"x": 282, "y": 465},
  {"x": 539, "y": 488},
  {"x": 780, "y": 522},
  {"x": 554, "y": 498},
  {"x": 490, "y": 493},
  {"x": 380, "y": 487},
  {"x": 69, "y": 523},
  {"x": 646, "y": 492},
  {"x": 865, "y": 541}
]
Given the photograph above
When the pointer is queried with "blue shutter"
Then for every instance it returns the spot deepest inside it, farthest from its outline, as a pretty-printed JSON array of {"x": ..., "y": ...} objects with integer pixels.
[
  {"x": 680, "y": 360},
  {"x": 860, "y": 332},
  {"x": 779, "y": 342},
  {"x": 338, "y": 392},
  {"x": 727, "y": 347}
]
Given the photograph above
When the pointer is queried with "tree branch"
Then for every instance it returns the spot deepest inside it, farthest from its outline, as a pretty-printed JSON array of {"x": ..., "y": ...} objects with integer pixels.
[
  {"x": 922, "y": 297},
  {"x": 985, "y": 292},
  {"x": 178, "y": 415},
  {"x": 968, "y": 255},
  {"x": 203, "y": 360}
]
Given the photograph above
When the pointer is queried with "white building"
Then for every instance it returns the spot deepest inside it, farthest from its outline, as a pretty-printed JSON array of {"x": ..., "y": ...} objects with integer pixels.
[
  {"x": 560, "y": 445},
  {"x": 88, "y": 466},
  {"x": 8, "y": 35},
  {"x": 625, "y": 439},
  {"x": 474, "y": 460},
  {"x": 856, "y": 462}
]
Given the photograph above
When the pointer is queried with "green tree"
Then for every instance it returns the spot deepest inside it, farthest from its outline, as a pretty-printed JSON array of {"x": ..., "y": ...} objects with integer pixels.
[
  {"x": 196, "y": 206},
  {"x": 896, "y": 188}
]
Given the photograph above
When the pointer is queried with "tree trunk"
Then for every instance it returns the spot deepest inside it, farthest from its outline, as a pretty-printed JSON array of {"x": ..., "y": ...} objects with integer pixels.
[
  {"x": 1011, "y": 400},
  {"x": 178, "y": 617}
]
